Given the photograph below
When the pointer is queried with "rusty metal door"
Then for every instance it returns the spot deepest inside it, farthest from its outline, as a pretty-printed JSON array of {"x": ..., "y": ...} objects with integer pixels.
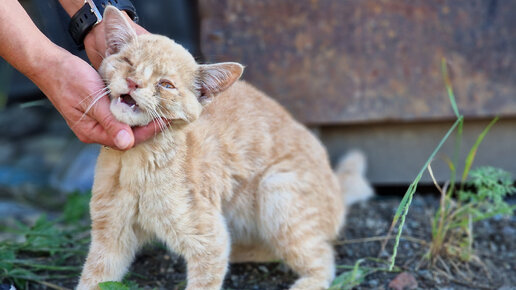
[{"x": 334, "y": 62}]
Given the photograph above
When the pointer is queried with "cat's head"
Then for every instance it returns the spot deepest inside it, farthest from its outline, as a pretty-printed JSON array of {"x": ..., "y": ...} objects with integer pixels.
[{"x": 151, "y": 76}]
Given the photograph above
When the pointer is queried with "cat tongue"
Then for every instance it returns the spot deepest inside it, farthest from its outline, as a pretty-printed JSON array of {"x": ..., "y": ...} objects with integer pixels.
[{"x": 127, "y": 99}]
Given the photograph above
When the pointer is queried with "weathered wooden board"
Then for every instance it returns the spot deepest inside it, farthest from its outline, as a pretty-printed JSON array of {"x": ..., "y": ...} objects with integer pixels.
[{"x": 368, "y": 60}]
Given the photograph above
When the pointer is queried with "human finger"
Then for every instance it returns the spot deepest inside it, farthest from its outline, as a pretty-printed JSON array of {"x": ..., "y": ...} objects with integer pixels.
[
  {"x": 143, "y": 133},
  {"x": 120, "y": 133}
]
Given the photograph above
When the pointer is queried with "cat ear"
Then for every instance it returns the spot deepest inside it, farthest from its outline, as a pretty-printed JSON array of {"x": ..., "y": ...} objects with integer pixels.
[
  {"x": 118, "y": 30},
  {"x": 215, "y": 78}
]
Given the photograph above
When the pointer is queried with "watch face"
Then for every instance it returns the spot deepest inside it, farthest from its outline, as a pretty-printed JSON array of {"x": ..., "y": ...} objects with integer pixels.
[{"x": 91, "y": 14}]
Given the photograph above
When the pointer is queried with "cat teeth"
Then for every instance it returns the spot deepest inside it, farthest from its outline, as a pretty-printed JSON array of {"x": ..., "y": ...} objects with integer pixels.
[
  {"x": 119, "y": 100},
  {"x": 132, "y": 106}
]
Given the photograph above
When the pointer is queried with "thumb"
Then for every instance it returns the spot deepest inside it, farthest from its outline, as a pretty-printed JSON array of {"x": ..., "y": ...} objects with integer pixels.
[{"x": 120, "y": 133}]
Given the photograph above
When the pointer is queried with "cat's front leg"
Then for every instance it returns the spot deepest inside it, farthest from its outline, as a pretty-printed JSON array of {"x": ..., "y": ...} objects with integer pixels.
[
  {"x": 114, "y": 240},
  {"x": 206, "y": 252}
]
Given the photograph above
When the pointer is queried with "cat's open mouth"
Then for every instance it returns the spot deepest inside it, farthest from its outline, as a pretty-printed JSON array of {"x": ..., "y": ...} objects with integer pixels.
[{"x": 129, "y": 101}]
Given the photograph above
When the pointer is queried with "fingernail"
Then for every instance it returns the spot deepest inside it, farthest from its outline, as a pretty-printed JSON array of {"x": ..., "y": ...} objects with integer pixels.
[{"x": 122, "y": 140}]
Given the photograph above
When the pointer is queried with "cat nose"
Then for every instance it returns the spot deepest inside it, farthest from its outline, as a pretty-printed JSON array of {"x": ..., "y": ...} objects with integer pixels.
[{"x": 133, "y": 85}]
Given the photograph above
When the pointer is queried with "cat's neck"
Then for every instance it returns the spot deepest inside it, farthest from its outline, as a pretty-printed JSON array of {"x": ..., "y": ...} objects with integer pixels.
[
  {"x": 163, "y": 149},
  {"x": 171, "y": 139}
]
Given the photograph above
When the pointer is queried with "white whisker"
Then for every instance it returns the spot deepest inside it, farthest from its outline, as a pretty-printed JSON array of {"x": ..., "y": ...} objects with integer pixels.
[
  {"x": 158, "y": 114},
  {"x": 92, "y": 95},
  {"x": 91, "y": 106}
]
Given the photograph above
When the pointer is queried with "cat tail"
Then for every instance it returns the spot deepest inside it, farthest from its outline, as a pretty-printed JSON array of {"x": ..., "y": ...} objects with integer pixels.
[{"x": 351, "y": 171}]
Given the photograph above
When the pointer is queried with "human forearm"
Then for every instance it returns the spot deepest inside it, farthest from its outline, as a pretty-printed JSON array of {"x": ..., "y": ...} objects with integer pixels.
[
  {"x": 22, "y": 43},
  {"x": 64, "y": 78},
  {"x": 71, "y": 84},
  {"x": 71, "y": 6}
]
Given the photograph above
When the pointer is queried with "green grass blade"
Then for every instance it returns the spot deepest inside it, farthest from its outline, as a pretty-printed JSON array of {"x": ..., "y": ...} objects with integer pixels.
[
  {"x": 449, "y": 89},
  {"x": 413, "y": 186},
  {"x": 473, "y": 152},
  {"x": 402, "y": 205},
  {"x": 33, "y": 265},
  {"x": 456, "y": 156},
  {"x": 350, "y": 279},
  {"x": 402, "y": 210}
]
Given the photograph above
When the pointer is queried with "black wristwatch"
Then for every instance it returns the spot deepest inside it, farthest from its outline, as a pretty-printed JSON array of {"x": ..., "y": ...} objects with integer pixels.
[{"x": 91, "y": 14}]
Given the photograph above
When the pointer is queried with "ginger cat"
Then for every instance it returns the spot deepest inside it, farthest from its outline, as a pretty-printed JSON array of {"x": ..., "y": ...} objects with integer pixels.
[{"x": 233, "y": 178}]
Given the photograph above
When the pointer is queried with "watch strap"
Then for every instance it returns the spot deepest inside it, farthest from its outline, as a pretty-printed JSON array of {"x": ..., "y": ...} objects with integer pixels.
[
  {"x": 85, "y": 19},
  {"x": 81, "y": 23},
  {"x": 124, "y": 5}
]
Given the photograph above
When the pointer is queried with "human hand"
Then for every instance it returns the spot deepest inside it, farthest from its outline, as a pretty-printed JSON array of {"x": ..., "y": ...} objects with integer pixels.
[
  {"x": 71, "y": 84},
  {"x": 95, "y": 46},
  {"x": 95, "y": 41},
  {"x": 79, "y": 94}
]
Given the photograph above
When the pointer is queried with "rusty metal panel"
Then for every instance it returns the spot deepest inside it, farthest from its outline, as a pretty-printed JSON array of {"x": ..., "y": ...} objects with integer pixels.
[{"x": 369, "y": 60}]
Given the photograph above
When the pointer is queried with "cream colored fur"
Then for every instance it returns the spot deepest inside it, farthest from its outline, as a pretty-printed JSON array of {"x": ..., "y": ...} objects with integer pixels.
[{"x": 233, "y": 178}]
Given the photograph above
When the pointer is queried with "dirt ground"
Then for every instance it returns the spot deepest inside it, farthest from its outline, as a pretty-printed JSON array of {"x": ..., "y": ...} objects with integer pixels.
[
  {"x": 495, "y": 242},
  {"x": 155, "y": 268}
]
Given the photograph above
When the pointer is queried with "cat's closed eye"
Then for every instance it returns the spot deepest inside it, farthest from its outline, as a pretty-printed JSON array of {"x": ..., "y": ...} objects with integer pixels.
[{"x": 166, "y": 84}]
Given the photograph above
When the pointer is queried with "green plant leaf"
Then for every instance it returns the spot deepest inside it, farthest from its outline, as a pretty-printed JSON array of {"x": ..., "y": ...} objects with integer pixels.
[
  {"x": 350, "y": 279},
  {"x": 76, "y": 207},
  {"x": 472, "y": 153},
  {"x": 112, "y": 286}
]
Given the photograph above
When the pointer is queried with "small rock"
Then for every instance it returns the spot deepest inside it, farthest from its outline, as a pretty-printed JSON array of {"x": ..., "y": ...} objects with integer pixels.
[
  {"x": 426, "y": 274},
  {"x": 508, "y": 231},
  {"x": 263, "y": 269},
  {"x": 403, "y": 281},
  {"x": 384, "y": 254},
  {"x": 234, "y": 278},
  {"x": 370, "y": 223},
  {"x": 283, "y": 268}
]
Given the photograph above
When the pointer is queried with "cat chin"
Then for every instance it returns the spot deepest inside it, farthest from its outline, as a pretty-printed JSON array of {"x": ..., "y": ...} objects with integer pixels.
[{"x": 129, "y": 115}]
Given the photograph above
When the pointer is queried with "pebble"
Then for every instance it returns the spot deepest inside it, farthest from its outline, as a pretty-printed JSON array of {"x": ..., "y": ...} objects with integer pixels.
[
  {"x": 426, "y": 274},
  {"x": 508, "y": 231},
  {"x": 373, "y": 283},
  {"x": 263, "y": 269},
  {"x": 403, "y": 281},
  {"x": 370, "y": 223},
  {"x": 283, "y": 268}
]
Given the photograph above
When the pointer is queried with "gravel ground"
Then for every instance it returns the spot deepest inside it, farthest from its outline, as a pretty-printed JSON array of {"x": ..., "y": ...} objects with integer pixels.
[
  {"x": 155, "y": 268},
  {"x": 495, "y": 242}
]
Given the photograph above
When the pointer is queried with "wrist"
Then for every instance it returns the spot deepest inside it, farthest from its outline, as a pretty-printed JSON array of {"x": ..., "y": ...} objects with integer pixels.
[
  {"x": 90, "y": 14},
  {"x": 71, "y": 7},
  {"x": 45, "y": 63},
  {"x": 98, "y": 30}
]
